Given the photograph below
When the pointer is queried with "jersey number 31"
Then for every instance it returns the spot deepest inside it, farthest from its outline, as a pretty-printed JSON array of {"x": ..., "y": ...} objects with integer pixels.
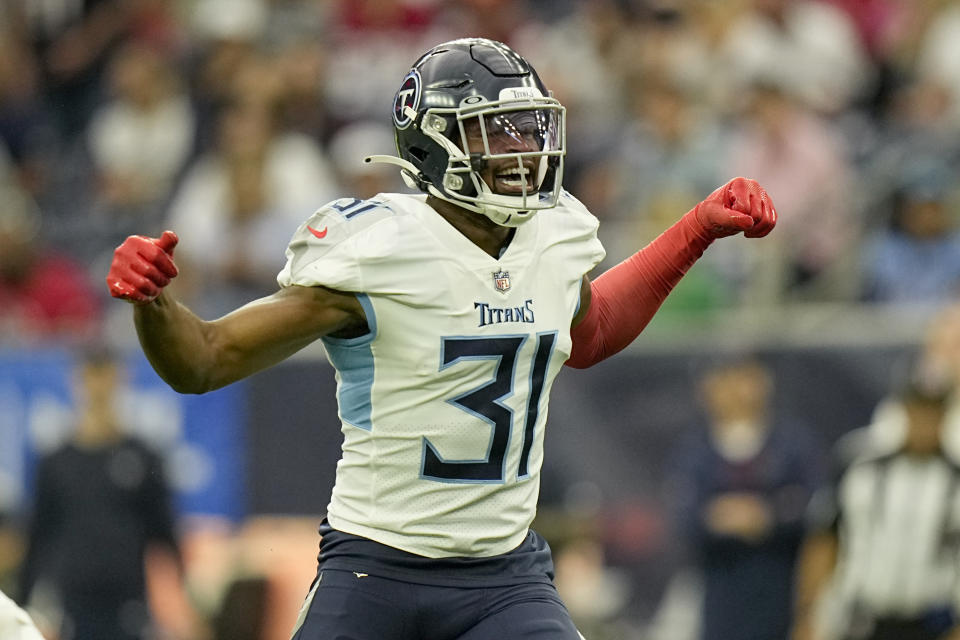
[{"x": 486, "y": 402}]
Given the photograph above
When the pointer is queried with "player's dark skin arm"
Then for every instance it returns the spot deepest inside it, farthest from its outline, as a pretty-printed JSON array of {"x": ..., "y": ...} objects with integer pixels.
[{"x": 194, "y": 355}]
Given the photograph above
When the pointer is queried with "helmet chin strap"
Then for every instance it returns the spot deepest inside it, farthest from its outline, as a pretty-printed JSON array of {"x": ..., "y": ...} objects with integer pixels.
[
  {"x": 502, "y": 209},
  {"x": 506, "y": 216}
]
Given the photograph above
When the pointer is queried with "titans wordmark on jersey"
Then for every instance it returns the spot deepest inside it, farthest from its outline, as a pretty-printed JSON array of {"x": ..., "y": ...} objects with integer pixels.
[{"x": 443, "y": 403}]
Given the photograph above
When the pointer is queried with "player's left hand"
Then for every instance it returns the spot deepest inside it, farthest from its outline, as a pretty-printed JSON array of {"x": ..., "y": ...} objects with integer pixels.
[{"x": 740, "y": 205}]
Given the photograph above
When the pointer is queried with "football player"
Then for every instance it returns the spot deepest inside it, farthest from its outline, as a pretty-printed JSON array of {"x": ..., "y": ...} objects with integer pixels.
[{"x": 447, "y": 314}]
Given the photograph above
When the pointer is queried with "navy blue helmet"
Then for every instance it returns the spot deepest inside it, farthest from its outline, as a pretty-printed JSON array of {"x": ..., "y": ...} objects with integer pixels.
[{"x": 471, "y": 108}]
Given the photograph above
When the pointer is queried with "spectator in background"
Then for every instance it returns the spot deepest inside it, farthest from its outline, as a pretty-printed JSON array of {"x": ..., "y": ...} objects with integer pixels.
[
  {"x": 101, "y": 507},
  {"x": 791, "y": 147},
  {"x": 224, "y": 37},
  {"x": 880, "y": 561},
  {"x": 302, "y": 66},
  {"x": 666, "y": 155},
  {"x": 72, "y": 41},
  {"x": 354, "y": 142},
  {"x": 741, "y": 487},
  {"x": 580, "y": 58},
  {"x": 372, "y": 40},
  {"x": 26, "y": 129},
  {"x": 916, "y": 259},
  {"x": 44, "y": 295},
  {"x": 914, "y": 124},
  {"x": 238, "y": 204},
  {"x": 878, "y": 22},
  {"x": 139, "y": 141},
  {"x": 582, "y": 66},
  {"x": 939, "y": 55},
  {"x": 813, "y": 47},
  {"x": 495, "y": 19}
]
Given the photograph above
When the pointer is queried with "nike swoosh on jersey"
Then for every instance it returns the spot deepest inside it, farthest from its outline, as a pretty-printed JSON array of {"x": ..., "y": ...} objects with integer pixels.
[{"x": 320, "y": 234}]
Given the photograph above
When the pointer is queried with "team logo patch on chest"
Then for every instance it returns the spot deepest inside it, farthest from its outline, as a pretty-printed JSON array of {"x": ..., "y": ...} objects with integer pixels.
[{"x": 501, "y": 280}]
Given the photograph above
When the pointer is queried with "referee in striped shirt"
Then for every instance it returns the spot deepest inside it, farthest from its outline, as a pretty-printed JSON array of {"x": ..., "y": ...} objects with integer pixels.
[{"x": 882, "y": 561}]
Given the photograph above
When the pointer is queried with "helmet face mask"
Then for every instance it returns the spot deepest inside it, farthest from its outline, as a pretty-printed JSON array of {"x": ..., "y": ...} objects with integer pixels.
[
  {"x": 473, "y": 119},
  {"x": 504, "y": 158}
]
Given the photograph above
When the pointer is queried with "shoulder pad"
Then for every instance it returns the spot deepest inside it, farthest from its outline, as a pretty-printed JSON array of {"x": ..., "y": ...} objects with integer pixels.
[
  {"x": 328, "y": 248},
  {"x": 342, "y": 218},
  {"x": 570, "y": 200}
]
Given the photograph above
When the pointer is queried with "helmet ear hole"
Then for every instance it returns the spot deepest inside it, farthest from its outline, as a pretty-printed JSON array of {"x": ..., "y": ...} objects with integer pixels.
[{"x": 418, "y": 153}]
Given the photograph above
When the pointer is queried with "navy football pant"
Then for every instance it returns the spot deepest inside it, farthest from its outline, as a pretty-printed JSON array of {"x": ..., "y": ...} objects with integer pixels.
[{"x": 343, "y": 605}]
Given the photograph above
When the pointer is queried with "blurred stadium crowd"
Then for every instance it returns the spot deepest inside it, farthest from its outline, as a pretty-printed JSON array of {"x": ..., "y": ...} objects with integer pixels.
[{"x": 230, "y": 121}]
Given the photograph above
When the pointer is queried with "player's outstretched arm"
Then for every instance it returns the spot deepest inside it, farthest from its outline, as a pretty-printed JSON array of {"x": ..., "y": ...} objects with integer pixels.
[
  {"x": 617, "y": 306},
  {"x": 194, "y": 355}
]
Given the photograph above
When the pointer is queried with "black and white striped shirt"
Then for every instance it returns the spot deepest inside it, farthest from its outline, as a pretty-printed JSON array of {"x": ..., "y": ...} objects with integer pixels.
[{"x": 899, "y": 530}]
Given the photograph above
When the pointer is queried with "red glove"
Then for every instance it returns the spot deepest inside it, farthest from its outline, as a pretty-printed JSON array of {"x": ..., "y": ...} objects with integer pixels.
[
  {"x": 142, "y": 267},
  {"x": 740, "y": 205}
]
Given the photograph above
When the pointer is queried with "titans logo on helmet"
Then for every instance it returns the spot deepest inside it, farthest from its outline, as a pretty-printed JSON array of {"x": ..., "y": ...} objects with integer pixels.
[{"x": 407, "y": 96}]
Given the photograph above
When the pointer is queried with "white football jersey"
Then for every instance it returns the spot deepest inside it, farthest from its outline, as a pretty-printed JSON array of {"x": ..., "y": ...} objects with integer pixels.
[
  {"x": 443, "y": 404},
  {"x": 15, "y": 623}
]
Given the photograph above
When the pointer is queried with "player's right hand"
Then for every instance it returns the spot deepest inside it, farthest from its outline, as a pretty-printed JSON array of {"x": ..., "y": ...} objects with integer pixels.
[{"x": 142, "y": 267}]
